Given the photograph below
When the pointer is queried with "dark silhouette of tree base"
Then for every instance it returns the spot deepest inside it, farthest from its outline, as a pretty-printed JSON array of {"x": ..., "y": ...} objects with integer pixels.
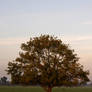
[{"x": 48, "y": 62}]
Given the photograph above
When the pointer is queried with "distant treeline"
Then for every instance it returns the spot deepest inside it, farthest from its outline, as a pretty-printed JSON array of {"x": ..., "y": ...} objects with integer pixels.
[{"x": 4, "y": 81}]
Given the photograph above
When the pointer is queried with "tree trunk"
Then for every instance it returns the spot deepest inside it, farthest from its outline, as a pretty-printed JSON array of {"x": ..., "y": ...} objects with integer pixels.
[{"x": 49, "y": 89}]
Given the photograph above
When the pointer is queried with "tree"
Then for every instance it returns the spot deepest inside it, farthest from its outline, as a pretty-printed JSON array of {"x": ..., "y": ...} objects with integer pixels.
[
  {"x": 3, "y": 80},
  {"x": 48, "y": 62}
]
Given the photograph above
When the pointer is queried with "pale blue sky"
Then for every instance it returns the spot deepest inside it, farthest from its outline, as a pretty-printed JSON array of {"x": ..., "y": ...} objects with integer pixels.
[
  {"x": 69, "y": 19},
  {"x": 18, "y": 16}
]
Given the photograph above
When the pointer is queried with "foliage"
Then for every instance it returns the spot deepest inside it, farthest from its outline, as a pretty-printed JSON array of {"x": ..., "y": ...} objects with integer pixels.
[
  {"x": 48, "y": 62},
  {"x": 3, "y": 81}
]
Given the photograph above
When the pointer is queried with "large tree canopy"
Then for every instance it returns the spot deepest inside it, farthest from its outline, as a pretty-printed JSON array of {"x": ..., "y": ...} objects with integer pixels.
[{"x": 48, "y": 62}]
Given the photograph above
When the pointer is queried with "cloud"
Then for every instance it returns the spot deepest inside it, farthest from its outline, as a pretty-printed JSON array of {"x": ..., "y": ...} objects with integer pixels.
[
  {"x": 12, "y": 41},
  {"x": 77, "y": 38},
  {"x": 82, "y": 44},
  {"x": 87, "y": 22}
]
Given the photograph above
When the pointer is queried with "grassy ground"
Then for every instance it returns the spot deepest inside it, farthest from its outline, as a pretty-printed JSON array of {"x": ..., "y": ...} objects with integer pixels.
[
  {"x": 76, "y": 89},
  {"x": 38, "y": 89}
]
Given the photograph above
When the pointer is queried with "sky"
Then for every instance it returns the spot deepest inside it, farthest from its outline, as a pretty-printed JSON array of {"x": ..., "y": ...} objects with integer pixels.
[{"x": 69, "y": 20}]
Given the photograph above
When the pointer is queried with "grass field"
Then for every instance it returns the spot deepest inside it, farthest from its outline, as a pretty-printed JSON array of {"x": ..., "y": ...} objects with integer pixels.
[{"x": 38, "y": 89}]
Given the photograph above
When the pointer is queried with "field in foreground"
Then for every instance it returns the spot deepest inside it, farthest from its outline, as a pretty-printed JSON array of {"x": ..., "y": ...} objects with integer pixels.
[{"x": 38, "y": 89}]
